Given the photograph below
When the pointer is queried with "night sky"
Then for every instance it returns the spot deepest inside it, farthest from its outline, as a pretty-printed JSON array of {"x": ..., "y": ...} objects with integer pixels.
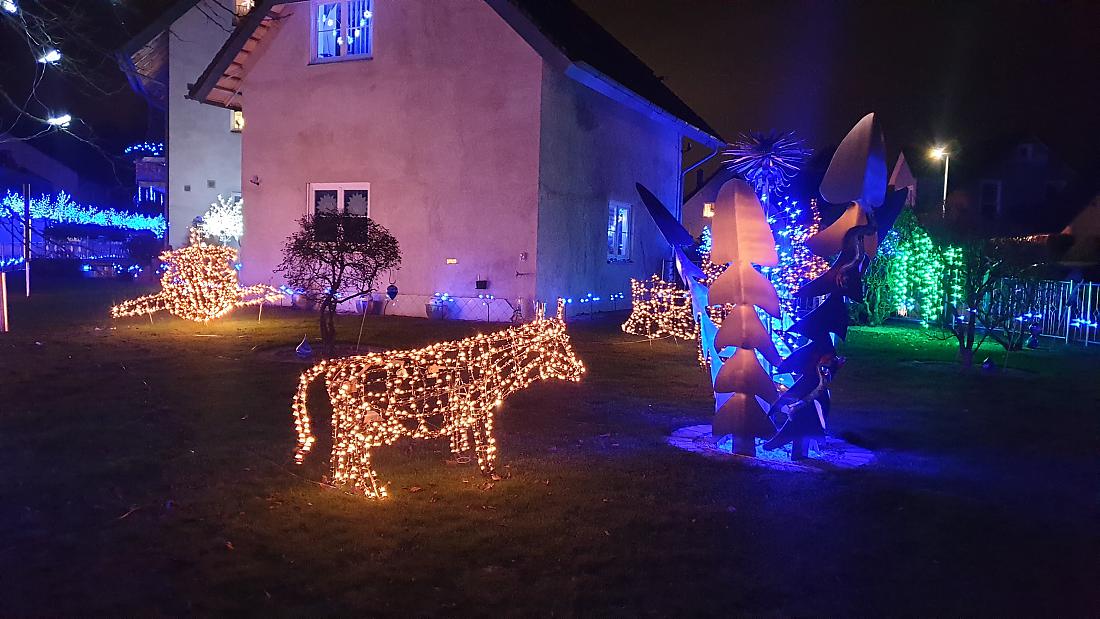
[{"x": 934, "y": 71}]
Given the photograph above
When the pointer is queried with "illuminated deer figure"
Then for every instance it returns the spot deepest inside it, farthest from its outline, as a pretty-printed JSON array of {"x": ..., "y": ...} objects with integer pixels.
[{"x": 447, "y": 389}]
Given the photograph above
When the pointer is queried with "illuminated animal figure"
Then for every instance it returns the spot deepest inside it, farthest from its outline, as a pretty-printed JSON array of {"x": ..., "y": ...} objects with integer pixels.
[{"x": 447, "y": 389}]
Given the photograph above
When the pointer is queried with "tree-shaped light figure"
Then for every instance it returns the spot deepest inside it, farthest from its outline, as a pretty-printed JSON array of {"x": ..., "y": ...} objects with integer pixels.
[
  {"x": 767, "y": 161},
  {"x": 224, "y": 220},
  {"x": 200, "y": 284}
]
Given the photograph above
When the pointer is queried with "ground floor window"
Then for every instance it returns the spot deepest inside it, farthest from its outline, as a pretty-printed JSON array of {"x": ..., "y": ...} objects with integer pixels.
[
  {"x": 329, "y": 200},
  {"x": 619, "y": 222}
]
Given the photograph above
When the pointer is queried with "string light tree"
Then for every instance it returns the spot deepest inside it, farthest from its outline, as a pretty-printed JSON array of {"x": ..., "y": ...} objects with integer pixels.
[
  {"x": 224, "y": 220},
  {"x": 199, "y": 283},
  {"x": 449, "y": 389}
]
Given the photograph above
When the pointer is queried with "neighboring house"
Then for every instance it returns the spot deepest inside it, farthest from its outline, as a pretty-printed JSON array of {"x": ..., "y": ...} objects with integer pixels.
[
  {"x": 203, "y": 143},
  {"x": 1009, "y": 186},
  {"x": 22, "y": 163},
  {"x": 499, "y": 141},
  {"x": 699, "y": 206},
  {"x": 1083, "y": 238}
]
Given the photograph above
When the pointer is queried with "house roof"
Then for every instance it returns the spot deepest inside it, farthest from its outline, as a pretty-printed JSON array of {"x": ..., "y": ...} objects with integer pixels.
[
  {"x": 561, "y": 33},
  {"x": 144, "y": 58}
]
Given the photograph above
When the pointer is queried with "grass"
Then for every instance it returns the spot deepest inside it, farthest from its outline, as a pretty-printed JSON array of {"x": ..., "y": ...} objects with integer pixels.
[{"x": 146, "y": 470}]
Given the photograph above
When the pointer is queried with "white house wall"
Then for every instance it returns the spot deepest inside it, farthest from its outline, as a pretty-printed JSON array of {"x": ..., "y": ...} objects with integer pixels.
[
  {"x": 201, "y": 148},
  {"x": 443, "y": 122},
  {"x": 594, "y": 150}
]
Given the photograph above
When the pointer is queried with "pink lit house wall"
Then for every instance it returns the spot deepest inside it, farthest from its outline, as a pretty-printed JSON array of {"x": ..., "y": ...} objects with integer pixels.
[{"x": 475, "y": 147}]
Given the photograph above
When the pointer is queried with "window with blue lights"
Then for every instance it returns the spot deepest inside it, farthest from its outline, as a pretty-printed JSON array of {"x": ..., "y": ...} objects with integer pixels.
[
  {"x": 342, "y": 30},
  {"x": 619, "y": 223}
]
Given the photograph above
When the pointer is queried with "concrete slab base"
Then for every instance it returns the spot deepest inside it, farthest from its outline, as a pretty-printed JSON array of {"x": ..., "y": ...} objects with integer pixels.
[{"x": 832, "y": 454}]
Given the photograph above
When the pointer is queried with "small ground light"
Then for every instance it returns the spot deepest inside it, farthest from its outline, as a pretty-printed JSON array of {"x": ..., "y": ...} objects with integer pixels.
[{"x": 59, "y": 121}]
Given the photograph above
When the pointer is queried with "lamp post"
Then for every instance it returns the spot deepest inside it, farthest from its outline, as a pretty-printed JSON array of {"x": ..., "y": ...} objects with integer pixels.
[{"x": 940, "y": 152}]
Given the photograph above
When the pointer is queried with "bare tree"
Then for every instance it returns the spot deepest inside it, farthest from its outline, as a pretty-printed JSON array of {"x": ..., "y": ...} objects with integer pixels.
[
  {"x": 988, "y": 268},
  {"x": 334, "y": 259}
]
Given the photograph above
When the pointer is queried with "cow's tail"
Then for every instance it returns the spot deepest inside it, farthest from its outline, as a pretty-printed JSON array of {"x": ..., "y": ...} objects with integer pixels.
[{"x": 301, "y": 413}]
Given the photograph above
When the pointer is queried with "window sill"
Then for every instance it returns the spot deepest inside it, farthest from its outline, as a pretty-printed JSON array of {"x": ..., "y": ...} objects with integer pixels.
[{"x": 318, "y": 61}]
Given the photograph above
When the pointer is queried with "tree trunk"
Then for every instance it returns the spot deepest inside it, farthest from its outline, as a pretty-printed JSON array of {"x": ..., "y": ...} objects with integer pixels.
[
  {"x": 966, "y": 342},
  {"x": 328, "y": 328}
]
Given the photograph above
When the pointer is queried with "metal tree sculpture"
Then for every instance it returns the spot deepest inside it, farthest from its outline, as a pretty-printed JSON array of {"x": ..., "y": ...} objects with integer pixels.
[
  {"x": 742, "y": 239},
  {"x": 856, "y": 175}
]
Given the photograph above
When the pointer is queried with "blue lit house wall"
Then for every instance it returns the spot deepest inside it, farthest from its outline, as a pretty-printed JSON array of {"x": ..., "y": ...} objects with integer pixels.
[{"x": 593, "y": 151}]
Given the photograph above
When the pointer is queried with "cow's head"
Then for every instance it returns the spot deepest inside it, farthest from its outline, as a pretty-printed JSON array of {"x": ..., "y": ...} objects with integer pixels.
[{"x": 557, "y": 359}]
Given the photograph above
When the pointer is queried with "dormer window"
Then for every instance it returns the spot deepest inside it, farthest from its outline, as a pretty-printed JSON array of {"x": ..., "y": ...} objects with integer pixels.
[
  {"x": 342, "y": 30},
  {"x": 242, "y": 8}
]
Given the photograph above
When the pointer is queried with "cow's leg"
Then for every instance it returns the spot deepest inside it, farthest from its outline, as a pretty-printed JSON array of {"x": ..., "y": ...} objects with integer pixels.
[
  {"x": 485, "y": 444},
  {"x": 367, "y": 479},
  {"x": 460, "y": 439}
]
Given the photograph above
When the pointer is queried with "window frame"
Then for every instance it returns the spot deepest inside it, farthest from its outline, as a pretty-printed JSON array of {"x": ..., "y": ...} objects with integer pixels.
[
  {"x": 340, "y": 188},
  {"x": 626, "y": 231},
  {"x": 981, "y": 198},
  {"x": 314, "y": 5},
  {"x": 233, "y": 127}
]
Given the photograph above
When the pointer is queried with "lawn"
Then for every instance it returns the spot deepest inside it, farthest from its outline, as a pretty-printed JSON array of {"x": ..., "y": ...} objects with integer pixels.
[{"x": 147, "y": 470}]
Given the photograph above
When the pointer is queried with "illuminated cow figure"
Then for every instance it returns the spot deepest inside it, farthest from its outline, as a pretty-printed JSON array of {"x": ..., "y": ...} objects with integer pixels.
[{"x": 447, "y": 389}]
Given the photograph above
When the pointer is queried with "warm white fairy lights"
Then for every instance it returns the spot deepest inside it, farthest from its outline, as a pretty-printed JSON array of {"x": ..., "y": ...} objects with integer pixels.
[
  {"x": 200, "y": 284},
  {"x": 659, "y": 309},
  {"x": 449, "y": 389}
]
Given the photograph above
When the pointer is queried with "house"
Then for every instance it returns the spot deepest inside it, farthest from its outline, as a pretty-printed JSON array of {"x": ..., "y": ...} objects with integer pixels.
[
  {"x": 1010, "y": 185},
  {"x": 498, "y": 140},
  {"x": 22, "y": 163},
  {"x": 203, "y": 144}
]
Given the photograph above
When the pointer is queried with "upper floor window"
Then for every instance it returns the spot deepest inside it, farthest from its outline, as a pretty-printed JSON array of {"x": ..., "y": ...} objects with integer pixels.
[
  {"x": 342, "y": 29},
  {"x": 619, "y": 222},
  {"x": 990, "y": 199},
  {"x": 242, "y": 8},
  {"x": 236, "y": 121}
]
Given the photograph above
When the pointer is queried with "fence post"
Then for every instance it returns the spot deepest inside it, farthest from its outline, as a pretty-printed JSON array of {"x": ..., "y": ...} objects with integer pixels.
[
  {"x": 1088, "y": 311},
  {"x": 4, "y": 328},
  {"x": 27, "y": 236}
]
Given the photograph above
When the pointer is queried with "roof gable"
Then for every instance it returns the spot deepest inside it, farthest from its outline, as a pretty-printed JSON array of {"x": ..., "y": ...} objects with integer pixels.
[{"x": 565, "y": 36}]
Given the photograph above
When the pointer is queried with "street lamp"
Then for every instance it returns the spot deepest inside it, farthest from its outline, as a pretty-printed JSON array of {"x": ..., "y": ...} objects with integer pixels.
[{"x": 940, "y": 152}]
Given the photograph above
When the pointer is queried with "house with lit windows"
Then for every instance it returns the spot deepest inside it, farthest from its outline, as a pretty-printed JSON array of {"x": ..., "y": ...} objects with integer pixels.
[
  {"x": 202, "y": 158},
  {"x": 498, "y": 140}
]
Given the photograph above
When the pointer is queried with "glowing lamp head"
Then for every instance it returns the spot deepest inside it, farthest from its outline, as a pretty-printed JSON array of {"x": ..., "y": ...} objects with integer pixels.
[
  {"x": 59, "y": 121},
  {"x": 50, "y": 57},
  {"x": 9, "y": 6},
  {"x": 938, "y": 152}
]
